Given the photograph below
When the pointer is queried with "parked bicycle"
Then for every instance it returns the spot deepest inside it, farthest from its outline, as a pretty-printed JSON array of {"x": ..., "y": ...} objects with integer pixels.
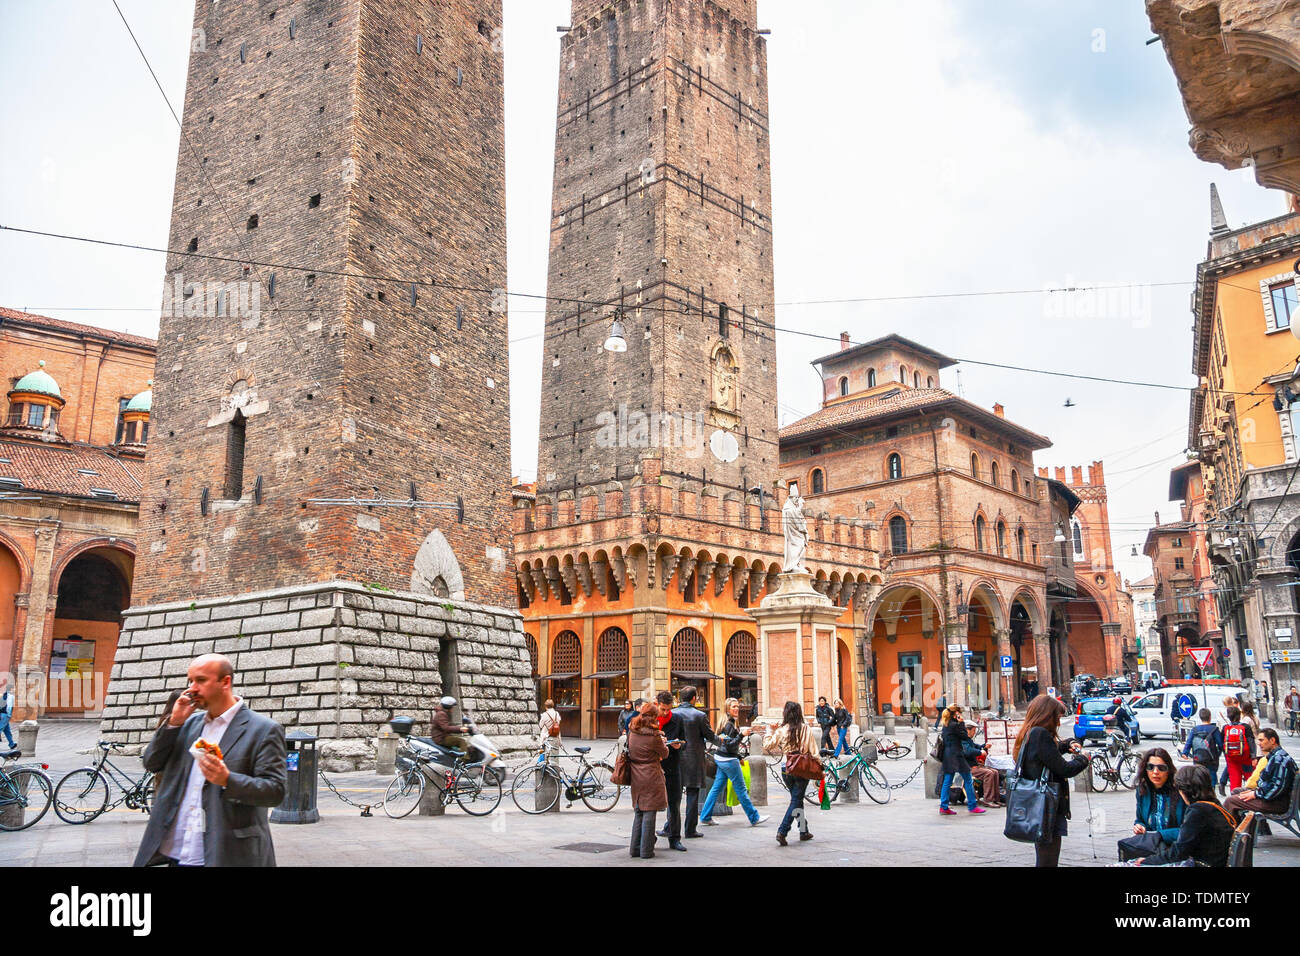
[
  {"x": 83, "y": 794},
  {"x": 886, "y": 747},
  {"x": 871, "y": 780},
  {"x": 1114, "y": 765},
  {"x": 25, "y": 792},
  {"x": 537, "y": 788},
  {"x": 476, "y": 789}
]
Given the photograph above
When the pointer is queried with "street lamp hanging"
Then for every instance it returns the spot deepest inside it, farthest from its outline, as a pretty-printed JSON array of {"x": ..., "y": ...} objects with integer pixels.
[{"x": 617, "y": 340}]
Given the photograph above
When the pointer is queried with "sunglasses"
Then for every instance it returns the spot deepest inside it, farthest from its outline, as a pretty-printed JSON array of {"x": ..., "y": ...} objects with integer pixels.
[{"x": 1157, "y": 768}]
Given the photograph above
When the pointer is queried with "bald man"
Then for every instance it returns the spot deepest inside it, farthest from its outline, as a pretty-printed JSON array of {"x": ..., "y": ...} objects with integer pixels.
[{"x": 211, "y": 811}]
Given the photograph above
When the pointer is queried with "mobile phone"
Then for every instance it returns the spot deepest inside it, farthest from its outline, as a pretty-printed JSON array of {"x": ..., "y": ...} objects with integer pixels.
[{"x": 676, "y": 742}]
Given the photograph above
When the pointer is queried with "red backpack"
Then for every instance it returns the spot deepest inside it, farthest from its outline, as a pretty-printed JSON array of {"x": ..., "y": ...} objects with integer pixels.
[{"x": 1234, "y": 740}]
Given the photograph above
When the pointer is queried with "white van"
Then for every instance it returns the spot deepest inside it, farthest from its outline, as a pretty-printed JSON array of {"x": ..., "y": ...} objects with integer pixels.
[{"x": 1155, "y": 710}]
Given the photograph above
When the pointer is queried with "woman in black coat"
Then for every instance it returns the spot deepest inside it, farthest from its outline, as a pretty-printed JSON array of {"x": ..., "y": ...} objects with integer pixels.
[
  {"x": 1037, "y": 747},
  {"x": 953, "y": 733},
  {"x": 1206, "y": 833}
]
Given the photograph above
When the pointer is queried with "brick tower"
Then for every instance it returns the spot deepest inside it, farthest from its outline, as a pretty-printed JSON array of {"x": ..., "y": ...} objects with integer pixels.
[
  {"x": 343, "y": 162},
  {"x": 661, "y": 208},
  {"x": 654, "y": 525}
]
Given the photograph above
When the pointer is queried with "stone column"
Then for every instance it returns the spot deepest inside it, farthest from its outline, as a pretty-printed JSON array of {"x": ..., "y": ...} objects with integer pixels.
[
  {"x": 954, "y": 641},
  {"x": 1006, "y": 693},
  {"x": 1113, "y": 641},
  {"x": 40, "y": 610},
  {"x": 1043, "y": 661}
]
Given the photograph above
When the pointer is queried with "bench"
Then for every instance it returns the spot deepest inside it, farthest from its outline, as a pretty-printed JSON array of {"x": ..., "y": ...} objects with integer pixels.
[
  {"x": 1290, "y": 819},
  {"x": 1241, "y": 852}
]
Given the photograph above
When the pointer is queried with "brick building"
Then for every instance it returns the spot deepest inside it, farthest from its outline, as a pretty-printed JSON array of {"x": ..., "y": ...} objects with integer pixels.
[
  {"x": 1169, "y": 546},
  {"x": 354, "y": 150},
  {"x": 965, "y": 522},
  {"x": 72, "y": 443},
  {"x": 653, "y": 526}
]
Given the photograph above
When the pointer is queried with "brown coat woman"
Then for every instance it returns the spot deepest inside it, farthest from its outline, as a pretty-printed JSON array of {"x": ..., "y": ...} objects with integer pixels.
[{"x": 645, "y": 748}]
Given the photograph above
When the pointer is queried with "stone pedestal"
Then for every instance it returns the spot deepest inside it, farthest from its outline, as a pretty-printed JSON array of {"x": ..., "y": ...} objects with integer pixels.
[
  {"x": 920, "y": 743},
  {"x": 434, "y": 784},
  {"x": 545, "y": 785},
  {"x": 27, "y": 731},
  {"x": 386, "y": 753},
  {"x": 889, "y": 725},
  {"x": 933, "y": 775},
  {"x": 797, "y": 652},
  {"x": 757, "y": 780},
  {"x": 853, "y": 792}
]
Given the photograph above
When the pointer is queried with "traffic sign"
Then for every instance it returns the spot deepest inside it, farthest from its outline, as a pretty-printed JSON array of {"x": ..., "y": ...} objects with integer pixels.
[
  {"x": 1186, "y": 706},
  {"x": 1268, "y": 665},
  {"x": 1201, "y": 655},
  {"x": 1284, "y": 656},
  {"x": 1007, "y": 662}
]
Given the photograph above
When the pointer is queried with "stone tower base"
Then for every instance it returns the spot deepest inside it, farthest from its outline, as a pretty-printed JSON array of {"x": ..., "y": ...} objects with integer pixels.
[{"x": 335, "y": 659}]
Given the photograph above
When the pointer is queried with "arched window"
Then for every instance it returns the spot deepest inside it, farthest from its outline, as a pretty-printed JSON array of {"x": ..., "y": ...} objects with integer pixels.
[
  {"x": 742, "y": 671},
  {"x": 611, "y": 680},
  {"x": 531, "y": 643},
  {"x": 902, "y": 374},
  {"x": 1002, "y": 539},
  {"x": 1077, "y": 535},
  {"x": 1020, "y": 543},
  {"x": 1015, "y": 482},
  {"x": 974, "y": 465},
  {"x": 871, "y": 378},
  {"x": 844, "y": 385},
  {"x": 688, "y": 664},
  {"x": 818, "y": 481},
  {"x": 898, "y": 534},
  {"x": 565, "y": 678},
  {"x": 895, "y": 467},
  {"x": 929, "y": 381},
  {"x": 993, "y": 472},
  {"x": 980, "y": 525},
  {"x": 916, "y": 379}
]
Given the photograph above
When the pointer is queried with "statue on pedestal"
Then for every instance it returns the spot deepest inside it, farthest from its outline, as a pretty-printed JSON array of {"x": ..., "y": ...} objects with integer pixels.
[{"x": 795, "y": 527}]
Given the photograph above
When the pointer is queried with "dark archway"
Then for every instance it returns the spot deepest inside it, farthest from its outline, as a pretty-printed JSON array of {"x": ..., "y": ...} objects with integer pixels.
[{"x": 94, "y": 588}]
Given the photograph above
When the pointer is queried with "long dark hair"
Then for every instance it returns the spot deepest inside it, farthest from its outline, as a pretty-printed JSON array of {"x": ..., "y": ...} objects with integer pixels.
[
  {"x": 167, "y": 708},
  {"x": 1144, "y": 785},
  {"x": 792, "y": 719},
  {"x": 1044, "y": 711},
  {"x": 1197, "y": 782}
]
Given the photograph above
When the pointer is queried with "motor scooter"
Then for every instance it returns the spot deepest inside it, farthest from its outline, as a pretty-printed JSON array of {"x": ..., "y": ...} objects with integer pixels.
[{"x": 481, "y": 748}]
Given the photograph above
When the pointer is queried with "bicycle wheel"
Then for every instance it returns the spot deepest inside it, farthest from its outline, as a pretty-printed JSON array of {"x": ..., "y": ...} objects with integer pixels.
[
  {"x": 81, "y": 796},
  {"x": 478, "y": 791},
  {"x": 536, "y": 789},
  {"x": 1099, "y": 772},
  {"x": 597, "y": 792},
  {"x": 26, "y": 798},
  {"x": 897, "y": 751},
  {"x": 873, "y": 783},
  {"x": 1129, "y": 766},
  {"x": 404, "y": 793}
]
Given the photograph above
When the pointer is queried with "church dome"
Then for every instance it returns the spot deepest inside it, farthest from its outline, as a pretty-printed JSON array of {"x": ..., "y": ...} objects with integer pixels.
[
  {"x": 141, "y": 403},
  {"x": 40, "y": 383}
]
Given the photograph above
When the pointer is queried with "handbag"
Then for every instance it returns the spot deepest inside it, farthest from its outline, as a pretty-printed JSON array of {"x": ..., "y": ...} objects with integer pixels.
[
  {"x": 622, "y": 775},
  {"x": 1140, "y": 846},
  {"x": 1031, "y": 806}
]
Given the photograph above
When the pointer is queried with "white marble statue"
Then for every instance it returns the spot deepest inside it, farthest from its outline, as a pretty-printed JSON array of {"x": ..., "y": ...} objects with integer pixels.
[{"x": 795, "y": 527}]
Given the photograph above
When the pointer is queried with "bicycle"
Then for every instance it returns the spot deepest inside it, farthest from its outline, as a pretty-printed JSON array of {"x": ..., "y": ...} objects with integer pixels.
[
  {"x": 475, "y": 788},
  {"x": 82, "y": 795},
  {"x": 1124, "y": 771},
  {"x": 890, "y": 749},
  {"x": 25, "y": 793},
  {"x": 537, "y": 789},
  {"x": 871, "y": 780}
]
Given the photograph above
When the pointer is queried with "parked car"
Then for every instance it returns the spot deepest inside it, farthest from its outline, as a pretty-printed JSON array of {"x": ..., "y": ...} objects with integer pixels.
[
  {"x": 1121, "y": 686},
  {"x": 1155, "y": 710},
  {"x": 1090, "y": 718}
]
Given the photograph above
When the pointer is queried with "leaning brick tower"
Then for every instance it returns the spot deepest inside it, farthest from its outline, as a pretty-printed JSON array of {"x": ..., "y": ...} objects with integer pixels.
[
  {"x": 661, "y": 214},
  {"x": 344, "y": 347}
]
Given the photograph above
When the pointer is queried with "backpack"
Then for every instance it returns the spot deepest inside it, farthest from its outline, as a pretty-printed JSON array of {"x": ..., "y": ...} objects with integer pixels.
[
  {"x": 553, "y": 730},
  {"x": 1234, "y": 740},
  {"x": 1201, "y": 752}
]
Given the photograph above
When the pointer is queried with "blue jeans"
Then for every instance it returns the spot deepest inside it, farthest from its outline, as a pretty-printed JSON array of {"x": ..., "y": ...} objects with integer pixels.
[
  {"x": 728, "y": 769},
  {"x": 843, "y": 744},
  {"x": 947, "y": 786},
  {"x": 4, "y": 728},
  {"x": 798, "y": 787}
]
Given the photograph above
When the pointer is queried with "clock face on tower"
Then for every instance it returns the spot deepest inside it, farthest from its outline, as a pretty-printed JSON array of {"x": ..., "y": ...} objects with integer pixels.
[{"x": 724, "y": 446}]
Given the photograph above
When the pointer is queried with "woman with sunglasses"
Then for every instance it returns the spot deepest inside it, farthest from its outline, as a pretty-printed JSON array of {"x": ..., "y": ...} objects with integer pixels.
[{"x": 1160, "y": 810}]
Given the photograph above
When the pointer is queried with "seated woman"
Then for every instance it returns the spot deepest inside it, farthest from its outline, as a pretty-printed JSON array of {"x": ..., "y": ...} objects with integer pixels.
[
  {"x": 986, "y": 778},
  {"x": 1160, "y": 810},
  {"x": 1206, "y": 833}
]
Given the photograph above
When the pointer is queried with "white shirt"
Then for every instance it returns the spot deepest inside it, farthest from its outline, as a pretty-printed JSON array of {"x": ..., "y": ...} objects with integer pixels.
[{"x": 184, "y": 841}]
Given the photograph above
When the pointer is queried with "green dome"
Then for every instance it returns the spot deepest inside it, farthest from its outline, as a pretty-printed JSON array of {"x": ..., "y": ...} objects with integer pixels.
[
  {"x": 39, "y": 382},
  {"x": 141, "y": 403}
]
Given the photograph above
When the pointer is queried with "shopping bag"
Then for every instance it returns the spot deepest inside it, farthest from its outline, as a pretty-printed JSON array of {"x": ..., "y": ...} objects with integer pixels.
[
  {"x": 821, "y": 792},
  {"x": 732, "y": 799}
]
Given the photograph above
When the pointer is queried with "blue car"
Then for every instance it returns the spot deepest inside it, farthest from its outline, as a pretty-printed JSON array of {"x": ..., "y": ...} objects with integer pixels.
[{"x": 1090, "y": 718}]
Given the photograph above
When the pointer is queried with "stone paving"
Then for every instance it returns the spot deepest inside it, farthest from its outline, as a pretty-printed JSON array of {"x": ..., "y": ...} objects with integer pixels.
[{"x": 905, "y": 832}]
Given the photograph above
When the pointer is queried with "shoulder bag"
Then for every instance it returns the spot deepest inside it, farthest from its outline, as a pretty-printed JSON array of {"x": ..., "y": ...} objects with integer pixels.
[
  {"x": 803, "y": 765},
  {"x": 1031, "y": 806},
  {"x": 622, "y": 775}
]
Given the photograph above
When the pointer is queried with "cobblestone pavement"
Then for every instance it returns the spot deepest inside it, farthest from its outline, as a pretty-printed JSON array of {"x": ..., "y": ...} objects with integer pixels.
[{"x": 905, "y": 832}]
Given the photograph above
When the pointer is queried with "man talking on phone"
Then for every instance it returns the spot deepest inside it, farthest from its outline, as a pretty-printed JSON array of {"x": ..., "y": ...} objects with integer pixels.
[{"x": 212, "y": 800}]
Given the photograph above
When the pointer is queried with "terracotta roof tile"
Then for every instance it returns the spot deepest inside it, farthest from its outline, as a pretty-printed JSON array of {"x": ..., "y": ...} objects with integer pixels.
[
  {"x": 864, "y": 411},
  {"x": 56, "y": 469},
  {"x": 76, "y": 328}
]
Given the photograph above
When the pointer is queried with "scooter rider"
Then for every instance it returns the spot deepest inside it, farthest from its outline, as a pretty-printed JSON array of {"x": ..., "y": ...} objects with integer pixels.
[{"x": 445, "y": 733}]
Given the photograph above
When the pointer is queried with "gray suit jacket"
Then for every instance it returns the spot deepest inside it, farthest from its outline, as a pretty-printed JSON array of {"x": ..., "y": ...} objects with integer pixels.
[
  {"x": 695, "y": 730},
  {"x": 238, "y": 832}
]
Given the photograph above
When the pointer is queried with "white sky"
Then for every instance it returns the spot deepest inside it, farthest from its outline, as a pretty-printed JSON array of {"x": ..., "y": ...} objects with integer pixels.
[{"x": 918, "y": 147}]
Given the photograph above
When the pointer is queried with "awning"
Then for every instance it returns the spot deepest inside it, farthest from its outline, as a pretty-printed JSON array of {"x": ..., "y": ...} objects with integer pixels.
[
  {"x": 742, "y": 676},
  {"x": 696, "y": 675},
  {"x": 601, "y": 675},
  {"x": 557, "y": 676}
]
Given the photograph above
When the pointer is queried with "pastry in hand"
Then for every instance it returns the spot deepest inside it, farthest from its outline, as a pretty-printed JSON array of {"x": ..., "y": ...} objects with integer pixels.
[{"x": 202, "y": 746}]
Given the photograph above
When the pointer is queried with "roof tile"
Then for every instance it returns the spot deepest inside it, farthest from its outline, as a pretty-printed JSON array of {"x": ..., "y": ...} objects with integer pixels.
[{"x": 53, "y": 469}]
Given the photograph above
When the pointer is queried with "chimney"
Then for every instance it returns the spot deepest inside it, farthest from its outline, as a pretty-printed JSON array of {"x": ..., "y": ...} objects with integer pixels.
[
  {"x": 999, "y": 411},
  {"x": 844, "y": 341},
  {"x": 1157, "y": 519},
  {"x": 1076, "y": 475}
]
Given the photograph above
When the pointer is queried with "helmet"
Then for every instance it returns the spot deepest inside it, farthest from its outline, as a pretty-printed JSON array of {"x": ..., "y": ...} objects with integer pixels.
[
  {"x": 448, "y": 702},
  {"x": 1119, "y": 700}
]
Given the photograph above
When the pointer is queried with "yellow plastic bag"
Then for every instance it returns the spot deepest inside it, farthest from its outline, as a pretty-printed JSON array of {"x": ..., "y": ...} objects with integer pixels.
[{"x": 732, "y": 799}]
